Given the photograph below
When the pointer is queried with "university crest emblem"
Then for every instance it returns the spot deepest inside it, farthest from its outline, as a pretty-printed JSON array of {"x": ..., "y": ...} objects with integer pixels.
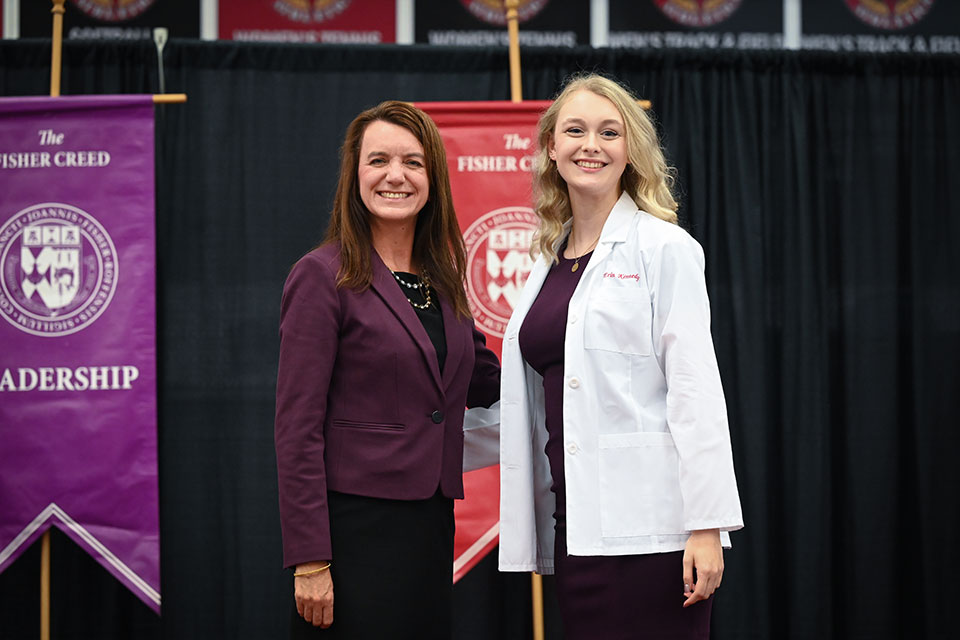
[
  {"x": 113, "y": 10},
  {"x": 310, "y": 10},
  {"x": 698, "y": 13},
  {"x": 890, "y": 14},
  {"x": 498, "y": 263},
  {"x": 493, "y": 12},
  {"x": 58, "y": 270}
]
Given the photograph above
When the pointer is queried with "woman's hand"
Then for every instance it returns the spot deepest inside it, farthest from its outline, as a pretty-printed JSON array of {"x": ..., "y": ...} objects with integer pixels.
[
  {"x": 314, "y": 594},
  {"x": 705, "y": 555}
]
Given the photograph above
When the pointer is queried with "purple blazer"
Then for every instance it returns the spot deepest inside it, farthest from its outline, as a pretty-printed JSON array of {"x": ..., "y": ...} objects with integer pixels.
[{"x": 361, "y": 405}]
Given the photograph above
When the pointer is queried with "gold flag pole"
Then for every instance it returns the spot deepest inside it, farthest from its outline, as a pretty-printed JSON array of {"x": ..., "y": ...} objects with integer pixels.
[
  {"x": 516, "y": 94},
  {"x": 56, "y": 57},
  {"x": 45, "y": 586},
  {"x": 55, "y": 62},
  {"x": 57, "y": 12},
  {"x": 536, "y": 584}
]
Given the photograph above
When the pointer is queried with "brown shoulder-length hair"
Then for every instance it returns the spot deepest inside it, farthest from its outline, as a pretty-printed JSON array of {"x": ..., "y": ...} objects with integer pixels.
[{"x": 437, "y": 244}]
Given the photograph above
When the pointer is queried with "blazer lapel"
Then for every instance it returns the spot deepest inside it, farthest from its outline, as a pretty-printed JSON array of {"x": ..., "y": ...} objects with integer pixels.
[{"x": 387, "y": 288}]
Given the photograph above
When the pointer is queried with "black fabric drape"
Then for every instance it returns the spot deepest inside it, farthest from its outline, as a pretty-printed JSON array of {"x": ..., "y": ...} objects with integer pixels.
[{"x": 821, "y": 188}]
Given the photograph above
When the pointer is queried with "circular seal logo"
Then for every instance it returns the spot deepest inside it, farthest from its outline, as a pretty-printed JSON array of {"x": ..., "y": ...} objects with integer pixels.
[
  {"x": 311, "y": 10},
  {"x": 58, "y": 270},
  {"x": 498, "y": 263},
  {"x": 113, "y": 10},
  {"x": 890, "y": 14},
  {"x": 493, "y": 11},
  {"x": 698, "y": 13}
]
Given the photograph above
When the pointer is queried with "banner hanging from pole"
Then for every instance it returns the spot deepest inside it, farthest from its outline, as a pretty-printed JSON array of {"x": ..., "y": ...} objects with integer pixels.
[
  {"x": 490, "y": 147},
  {"x": 78, "y": 402}
]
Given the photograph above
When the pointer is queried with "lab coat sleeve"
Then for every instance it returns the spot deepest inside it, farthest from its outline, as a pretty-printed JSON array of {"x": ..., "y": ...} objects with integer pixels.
[
  {"x": 481, "y": 437},
  {"x": 695, "y": 407}
]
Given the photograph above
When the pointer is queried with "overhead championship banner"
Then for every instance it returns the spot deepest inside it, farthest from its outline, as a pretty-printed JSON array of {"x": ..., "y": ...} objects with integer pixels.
[
  {"x": 718, "y": 24},
  {"x": 882, "y": 26},
  {"x": 78, "y": 401},
  {"x": 112, "y": 19},
  {"x": 490, "y": 147},
  {"x": 483, "y": 23},
  {"x": 321, "y": 21}
]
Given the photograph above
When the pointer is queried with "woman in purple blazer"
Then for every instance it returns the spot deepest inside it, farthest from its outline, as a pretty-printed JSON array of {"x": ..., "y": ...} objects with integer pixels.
[{"x": 378, "y": 357}]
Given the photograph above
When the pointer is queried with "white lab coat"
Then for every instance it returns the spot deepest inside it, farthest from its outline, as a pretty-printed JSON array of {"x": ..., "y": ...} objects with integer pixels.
[{"x": 646, "y": 444}]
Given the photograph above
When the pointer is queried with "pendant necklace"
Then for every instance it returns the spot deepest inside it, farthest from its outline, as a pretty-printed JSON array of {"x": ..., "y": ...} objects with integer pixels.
[{"x": 576, "y": 259}]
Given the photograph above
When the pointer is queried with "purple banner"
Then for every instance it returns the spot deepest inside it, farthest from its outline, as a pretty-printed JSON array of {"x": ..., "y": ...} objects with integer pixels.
[{"x": 78, "y": 401}]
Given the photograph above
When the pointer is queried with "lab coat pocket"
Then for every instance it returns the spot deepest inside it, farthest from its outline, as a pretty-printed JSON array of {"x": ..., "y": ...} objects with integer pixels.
[
  {"x": 619, "y": 320},
  {"x": 639, "y": 485}
]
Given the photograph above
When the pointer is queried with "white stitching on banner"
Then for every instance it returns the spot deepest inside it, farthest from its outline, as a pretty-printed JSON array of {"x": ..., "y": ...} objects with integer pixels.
[
  {"x": 476, "y": 547},
  {"x": 54, "y": 510}
]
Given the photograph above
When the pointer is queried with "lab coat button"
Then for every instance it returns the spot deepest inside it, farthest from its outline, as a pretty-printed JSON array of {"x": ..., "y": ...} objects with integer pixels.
[
  {"x": 574, "y": 383},
  {"x": 573, "y": 318},
  {"x": 437, "y": 417},
  {"x": 572, "y": 448}
]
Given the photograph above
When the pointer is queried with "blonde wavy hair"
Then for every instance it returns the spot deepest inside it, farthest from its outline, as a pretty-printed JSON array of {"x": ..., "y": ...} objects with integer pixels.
[{"x": 647, "y": 178}]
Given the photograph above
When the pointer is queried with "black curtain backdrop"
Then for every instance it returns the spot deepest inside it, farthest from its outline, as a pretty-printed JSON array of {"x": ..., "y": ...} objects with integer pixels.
[{"x": 823, "y": 190}]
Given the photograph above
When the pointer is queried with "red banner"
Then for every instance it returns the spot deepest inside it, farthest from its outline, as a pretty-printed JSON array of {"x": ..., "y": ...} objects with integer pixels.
[
  {"x": 490, "y": 147},
  {"x": 324, "y": 21}
]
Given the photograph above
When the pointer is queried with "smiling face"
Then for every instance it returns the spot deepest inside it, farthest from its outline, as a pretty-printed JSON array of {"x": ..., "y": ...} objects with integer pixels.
[
  {"x": 392, "y": 173},
  {"x": 589, "y": 146}
]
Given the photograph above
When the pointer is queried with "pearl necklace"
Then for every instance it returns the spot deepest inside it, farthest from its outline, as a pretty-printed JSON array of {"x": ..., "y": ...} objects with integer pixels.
[{"x": 424, "y": 286}]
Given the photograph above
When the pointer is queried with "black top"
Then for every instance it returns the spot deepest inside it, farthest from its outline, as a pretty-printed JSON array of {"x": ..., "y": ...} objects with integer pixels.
[{"x": 431, "y": 318}]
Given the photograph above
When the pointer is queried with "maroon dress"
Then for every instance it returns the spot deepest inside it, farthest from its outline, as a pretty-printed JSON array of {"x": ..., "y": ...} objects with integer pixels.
[{"x": 610, "y": 597}]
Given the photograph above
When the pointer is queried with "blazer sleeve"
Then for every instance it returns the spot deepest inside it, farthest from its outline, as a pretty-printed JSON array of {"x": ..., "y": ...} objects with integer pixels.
[
  {"x": 484, "y": 387},
  {"x": 696, "y": 410},
  {"x": 481, "y": 422},
  {"x": 309, "y": 329}
]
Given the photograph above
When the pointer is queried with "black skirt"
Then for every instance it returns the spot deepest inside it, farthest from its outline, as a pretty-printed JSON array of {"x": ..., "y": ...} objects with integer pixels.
[{"x": 392, "y": 570}]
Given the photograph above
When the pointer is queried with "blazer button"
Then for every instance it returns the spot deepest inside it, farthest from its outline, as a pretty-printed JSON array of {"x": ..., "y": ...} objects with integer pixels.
[{"x": 437, "y": 417}]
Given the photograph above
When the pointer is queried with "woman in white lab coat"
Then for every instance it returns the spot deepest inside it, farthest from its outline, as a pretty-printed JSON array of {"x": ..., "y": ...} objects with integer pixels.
[{"x": 616, "y": 466}]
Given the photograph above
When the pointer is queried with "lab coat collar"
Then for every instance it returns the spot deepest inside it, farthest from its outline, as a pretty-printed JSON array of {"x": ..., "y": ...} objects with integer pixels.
[
  {"x": 617, "y": 226},
  {"x": 615, "y": 230}
]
